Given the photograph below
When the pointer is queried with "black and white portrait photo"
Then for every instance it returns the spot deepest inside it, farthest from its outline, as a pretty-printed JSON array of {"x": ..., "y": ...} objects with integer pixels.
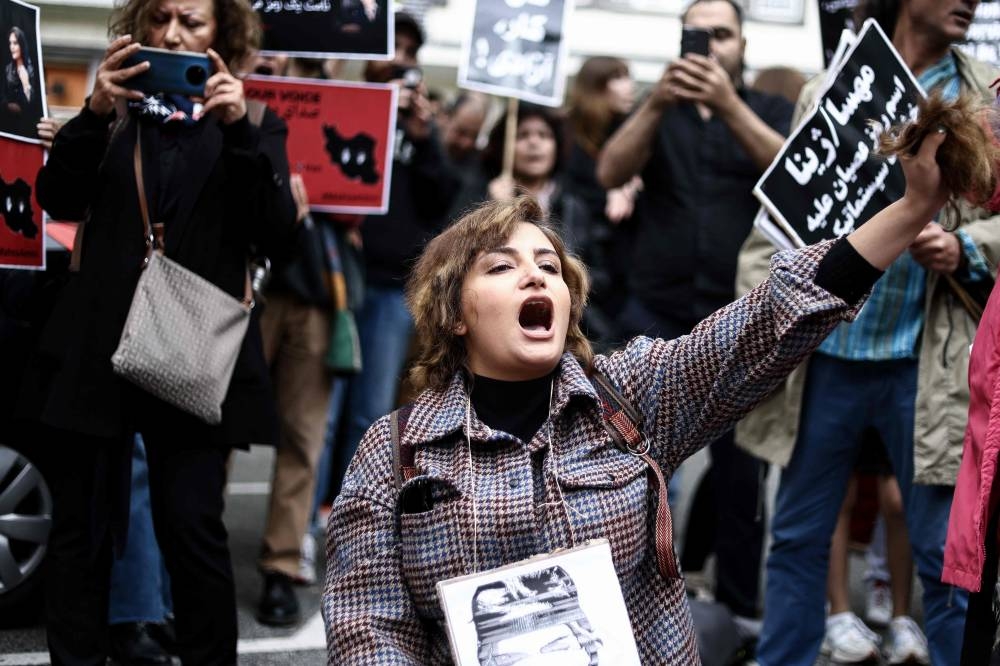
[
  {"x": 565, "y": 609},
  {"x": 22, "y": 97}
]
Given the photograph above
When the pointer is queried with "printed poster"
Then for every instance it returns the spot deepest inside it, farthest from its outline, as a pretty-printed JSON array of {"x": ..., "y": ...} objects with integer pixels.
[
  {"x": 22, "y": 234},
  {"x": 517, "y": 49},
  {"x": 340, "y": 138},
  {"x": 563, "y": 608},
  {"x": 347, "y": 29},
  {"x": 22, "y": 88},
  {"x": 827, "y": 180}
]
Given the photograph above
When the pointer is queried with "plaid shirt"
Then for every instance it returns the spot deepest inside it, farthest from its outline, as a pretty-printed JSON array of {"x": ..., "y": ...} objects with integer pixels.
[{"x": 379, "y": 601}]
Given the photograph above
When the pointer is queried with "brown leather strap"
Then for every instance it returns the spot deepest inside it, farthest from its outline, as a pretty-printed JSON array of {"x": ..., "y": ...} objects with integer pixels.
[
  {"x": 666, "y": 560},
  {"x": 622, "y": 423},
  {"x": 404, "y": 456},
  {"x": 153, "y": 232}
]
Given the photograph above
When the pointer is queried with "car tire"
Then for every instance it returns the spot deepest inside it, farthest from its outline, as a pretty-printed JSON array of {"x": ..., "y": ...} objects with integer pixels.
[{"x": 25, "y": 522}]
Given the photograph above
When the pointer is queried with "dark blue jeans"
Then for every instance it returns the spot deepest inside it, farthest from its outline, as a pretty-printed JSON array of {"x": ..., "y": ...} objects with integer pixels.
[{"x": 841, "y": 399}]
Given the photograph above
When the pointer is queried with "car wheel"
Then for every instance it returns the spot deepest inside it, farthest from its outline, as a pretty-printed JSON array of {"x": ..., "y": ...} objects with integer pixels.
[{"x": 25, "y": 521}]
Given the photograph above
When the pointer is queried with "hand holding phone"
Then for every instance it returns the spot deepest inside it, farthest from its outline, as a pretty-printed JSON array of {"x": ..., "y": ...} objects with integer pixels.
[
  {"x": 111, "y": 81},
  {"x": 695, "y": 40},
  {"x": 170, "y": 72}
]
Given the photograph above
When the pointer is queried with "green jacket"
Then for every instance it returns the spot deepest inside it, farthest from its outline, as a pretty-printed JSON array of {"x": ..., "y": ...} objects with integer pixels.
[{"x": 770, "y": 431}]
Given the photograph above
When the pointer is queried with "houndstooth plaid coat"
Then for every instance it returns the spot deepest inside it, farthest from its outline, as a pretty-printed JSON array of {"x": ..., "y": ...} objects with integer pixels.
[{"x": 379, "y": 600}]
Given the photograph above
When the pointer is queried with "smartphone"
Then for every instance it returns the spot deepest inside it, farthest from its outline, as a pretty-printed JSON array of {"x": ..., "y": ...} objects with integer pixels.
[
  {"x": 695, "y": 40},
  {"x": 172, "y": 72},
  {"x": 410, "y": 76}
]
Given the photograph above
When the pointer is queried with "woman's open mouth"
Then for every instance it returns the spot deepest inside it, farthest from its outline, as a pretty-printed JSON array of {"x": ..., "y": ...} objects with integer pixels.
[{"x": 535, "y": 316}]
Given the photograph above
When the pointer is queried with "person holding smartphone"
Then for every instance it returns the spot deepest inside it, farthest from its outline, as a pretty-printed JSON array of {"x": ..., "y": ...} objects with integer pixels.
[
  {"x": 700, "y": 141},
  {"x": 216, "y": 178}
]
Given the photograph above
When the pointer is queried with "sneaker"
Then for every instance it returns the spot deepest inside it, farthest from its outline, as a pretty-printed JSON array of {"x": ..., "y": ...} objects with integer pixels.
[
  {"x": 907, "y": 644},
  {"x": 848, "y": 640},
  {"x": 878, "y": 605},
  {"x": 307, "y": 560}
]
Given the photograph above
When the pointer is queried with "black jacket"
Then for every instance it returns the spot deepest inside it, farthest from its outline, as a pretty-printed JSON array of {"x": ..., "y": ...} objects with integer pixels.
[{"x": 233, "y": 194}]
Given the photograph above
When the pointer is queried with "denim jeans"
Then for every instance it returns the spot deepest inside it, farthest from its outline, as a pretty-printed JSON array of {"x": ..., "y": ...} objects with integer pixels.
[
  {"x": 384, "y": 330},
  {"x": 841, "y": 399},
  {"x": 140, "y": 587}
]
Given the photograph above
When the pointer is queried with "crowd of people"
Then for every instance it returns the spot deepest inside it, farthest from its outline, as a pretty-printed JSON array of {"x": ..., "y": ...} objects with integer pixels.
[{"x": 612, "y": 245}]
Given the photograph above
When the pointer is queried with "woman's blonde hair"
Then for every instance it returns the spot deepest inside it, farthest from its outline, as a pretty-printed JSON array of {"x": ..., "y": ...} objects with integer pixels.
[
  {"x": 237, "y": 26},
  {"x": 434, "y": 290}
]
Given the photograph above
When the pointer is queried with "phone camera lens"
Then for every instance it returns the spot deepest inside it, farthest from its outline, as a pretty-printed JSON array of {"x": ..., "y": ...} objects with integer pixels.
[{"x": 196, "y": 75}]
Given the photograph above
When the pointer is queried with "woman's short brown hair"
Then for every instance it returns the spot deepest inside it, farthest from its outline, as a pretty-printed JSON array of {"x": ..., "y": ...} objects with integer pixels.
[
  {"x": 434, "y": 290},
  {"x": 237, "y": 26}
]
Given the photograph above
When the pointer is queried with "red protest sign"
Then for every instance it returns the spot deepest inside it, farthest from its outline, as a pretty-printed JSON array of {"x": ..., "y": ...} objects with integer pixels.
[
  {"x": 340, "y": 138},
  {"x": 22, "y": 234}
]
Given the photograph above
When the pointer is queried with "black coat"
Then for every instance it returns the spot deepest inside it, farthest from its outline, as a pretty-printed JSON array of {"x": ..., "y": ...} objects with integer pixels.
[{"x": 233, "y": 195}]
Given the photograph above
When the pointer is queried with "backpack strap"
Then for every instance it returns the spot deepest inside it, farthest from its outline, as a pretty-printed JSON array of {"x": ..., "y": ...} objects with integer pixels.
[
  {"x": 624, "y": 424},
  {"x": 404, "y": 456}
]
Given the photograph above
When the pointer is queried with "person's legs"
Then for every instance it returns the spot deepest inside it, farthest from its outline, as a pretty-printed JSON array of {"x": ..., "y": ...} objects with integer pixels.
[
  {"x": 187, "y": 480},
  {"x": 837, "y": 589},
  {"x": 738, "y": 483},
  {"x": 899, "y": 557},
  {"x": 927, "y": 510},
  {"x": 384, "y": 328},
  {"x": 302, "y": 385},
  {"x": 834, "y": 409},
  {"x": 80, "y": 472},
  {"x": 136, "y": 578}
]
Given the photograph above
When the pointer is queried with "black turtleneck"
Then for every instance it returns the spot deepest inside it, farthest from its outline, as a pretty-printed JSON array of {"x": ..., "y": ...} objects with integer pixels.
[{"x": 518, "y": 408}]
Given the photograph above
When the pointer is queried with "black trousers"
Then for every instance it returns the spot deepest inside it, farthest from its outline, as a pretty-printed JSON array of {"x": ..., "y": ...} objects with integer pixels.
[
  {"x": 980, "y": 622},
  {"x": 727, "y": 518},
  {"x": 89, "y": 480},
  {"x": 727, "y": 513}
]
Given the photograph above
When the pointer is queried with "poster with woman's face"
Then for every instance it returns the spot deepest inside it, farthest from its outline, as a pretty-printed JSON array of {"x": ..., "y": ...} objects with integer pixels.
[{"x": 22, "y": 88}]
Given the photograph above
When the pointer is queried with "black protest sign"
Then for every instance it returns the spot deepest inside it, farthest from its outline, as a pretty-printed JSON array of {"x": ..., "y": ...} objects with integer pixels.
[
  {"x": 516, "y": 49},
  {"x": 358, "y": 29},
  {"x": 983, "y": 37},
  {"x": 827, "y": 180},
  {"x": 834, "y": 17}
]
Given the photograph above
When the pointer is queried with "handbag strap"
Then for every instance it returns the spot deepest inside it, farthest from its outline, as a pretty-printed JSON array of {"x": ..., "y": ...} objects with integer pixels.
[
  {"x": 153, "y": 233},
  {"x": 623, "y": 423}
]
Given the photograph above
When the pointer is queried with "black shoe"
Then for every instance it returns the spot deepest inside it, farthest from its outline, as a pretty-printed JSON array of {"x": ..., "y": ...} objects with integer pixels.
[
  {"x": 132, "y": 644},
  {"x": 278, "y": 607}
]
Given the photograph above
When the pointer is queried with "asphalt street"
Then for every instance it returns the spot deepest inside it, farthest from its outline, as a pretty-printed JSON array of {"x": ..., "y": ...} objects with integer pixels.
[{"x": 302, "y": 645}]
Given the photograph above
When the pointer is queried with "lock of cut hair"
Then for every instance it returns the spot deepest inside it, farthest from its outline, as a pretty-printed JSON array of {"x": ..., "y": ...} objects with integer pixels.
[{"x": 969, "y": 158}]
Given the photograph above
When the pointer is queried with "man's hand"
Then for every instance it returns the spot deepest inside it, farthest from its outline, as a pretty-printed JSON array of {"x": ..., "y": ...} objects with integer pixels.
[
  {"x": 663, "y": 92},
  {"x": 695, "y": 78},
  {"x": 936, "y": 249},
  {"x": 414, "y": 110}
]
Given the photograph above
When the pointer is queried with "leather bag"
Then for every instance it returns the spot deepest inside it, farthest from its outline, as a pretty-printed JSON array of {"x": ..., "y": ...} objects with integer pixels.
[{"x": 183, "y": 334}]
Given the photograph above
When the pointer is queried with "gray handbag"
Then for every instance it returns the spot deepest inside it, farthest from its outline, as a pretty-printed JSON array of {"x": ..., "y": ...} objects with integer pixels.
[{"x": 183, "y": 333}]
